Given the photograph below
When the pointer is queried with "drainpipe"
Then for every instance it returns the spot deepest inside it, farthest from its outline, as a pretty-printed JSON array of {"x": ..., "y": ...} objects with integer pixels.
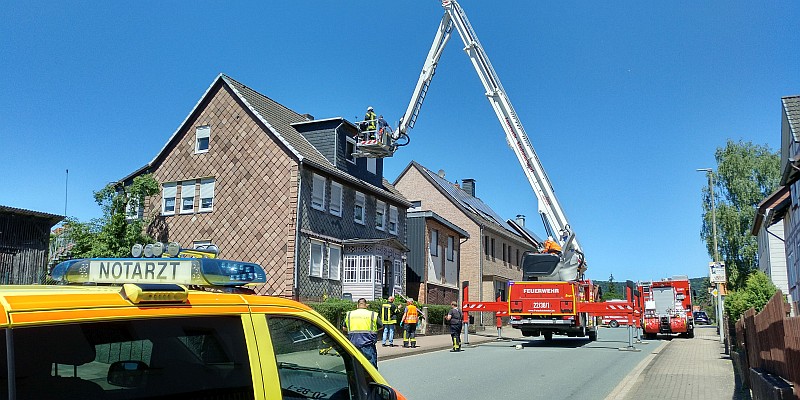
[
  {"x": 295, "y": 267},
  {"x": 480, "y": 274}
]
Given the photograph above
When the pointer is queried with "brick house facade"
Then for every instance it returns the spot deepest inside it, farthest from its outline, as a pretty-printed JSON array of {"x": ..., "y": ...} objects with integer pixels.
[
  {"x": 493, "y": 254},
  {"x": 268, "y": 185}
]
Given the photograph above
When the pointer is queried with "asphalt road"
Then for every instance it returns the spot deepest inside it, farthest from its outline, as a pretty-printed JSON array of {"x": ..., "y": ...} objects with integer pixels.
[{"x": 566, "y": 368}]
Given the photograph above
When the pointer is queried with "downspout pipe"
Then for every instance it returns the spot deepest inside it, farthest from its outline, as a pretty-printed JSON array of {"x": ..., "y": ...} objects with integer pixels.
[{"x": 298, "y": 221}]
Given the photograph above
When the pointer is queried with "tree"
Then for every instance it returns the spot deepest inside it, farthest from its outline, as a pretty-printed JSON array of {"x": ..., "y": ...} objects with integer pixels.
[
  {"x": 611, "y": 293},
  {"x": 746, "y": 174},
  {"x": 113, "y": 234},
  {"x": 756, "y": 293}
]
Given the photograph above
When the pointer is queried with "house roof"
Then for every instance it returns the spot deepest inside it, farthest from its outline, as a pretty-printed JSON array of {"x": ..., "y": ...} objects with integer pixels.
[
  {"x": 278, "y": 119},
  {"x": 791, "y": 105},
  {"x": 52, "y": 218},
  {"x": 473, "y": 207},
  {"x": 791, "y": 109},
  {"x": 772, "y": 209},
  {"x": 438, "y": 218}
]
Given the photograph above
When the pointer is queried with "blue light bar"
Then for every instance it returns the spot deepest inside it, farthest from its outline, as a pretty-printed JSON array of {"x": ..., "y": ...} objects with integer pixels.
[{"x": 186, "y": 271}]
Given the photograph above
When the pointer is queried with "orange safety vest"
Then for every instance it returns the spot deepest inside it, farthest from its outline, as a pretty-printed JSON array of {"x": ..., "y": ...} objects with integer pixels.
[{"x": 411, "y": 314}]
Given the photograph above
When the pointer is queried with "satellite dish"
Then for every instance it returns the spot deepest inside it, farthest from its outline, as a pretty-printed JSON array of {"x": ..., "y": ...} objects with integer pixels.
[{"x": 136, "y": 251}]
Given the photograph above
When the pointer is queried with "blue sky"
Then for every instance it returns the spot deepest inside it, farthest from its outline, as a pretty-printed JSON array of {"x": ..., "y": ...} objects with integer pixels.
[{"x": 622, "y": 100}]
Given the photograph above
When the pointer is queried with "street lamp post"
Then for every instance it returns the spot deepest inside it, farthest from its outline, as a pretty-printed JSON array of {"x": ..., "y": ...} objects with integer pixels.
[{"x": 720, "y": 308}]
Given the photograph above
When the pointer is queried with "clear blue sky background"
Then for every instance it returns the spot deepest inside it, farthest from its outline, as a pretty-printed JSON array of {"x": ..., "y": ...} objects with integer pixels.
[{"x": 622, "y": 100}]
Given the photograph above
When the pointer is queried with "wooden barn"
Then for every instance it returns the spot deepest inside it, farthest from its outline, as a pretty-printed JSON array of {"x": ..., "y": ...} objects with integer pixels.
[{"x": 24, "y": 243}]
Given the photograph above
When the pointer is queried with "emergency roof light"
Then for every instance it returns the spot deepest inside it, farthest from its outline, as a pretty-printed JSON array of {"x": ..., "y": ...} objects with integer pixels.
[{"x": 185, "y": 271}]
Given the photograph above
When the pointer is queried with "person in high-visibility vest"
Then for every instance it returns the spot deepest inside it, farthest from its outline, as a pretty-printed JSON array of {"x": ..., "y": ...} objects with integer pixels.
[
  {"x": 410, "y": 319},
  {"x": 389, "y": 320},
  {"x": 370, "y": 119},
  {"x": 362, "y": 329}
]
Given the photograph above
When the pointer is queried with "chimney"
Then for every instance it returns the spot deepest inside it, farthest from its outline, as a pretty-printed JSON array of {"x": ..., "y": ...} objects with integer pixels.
[
  {"x": 308, "y": 117},
  {"x": 520, "y": 220},
  {"x": 469, "y": 186}
]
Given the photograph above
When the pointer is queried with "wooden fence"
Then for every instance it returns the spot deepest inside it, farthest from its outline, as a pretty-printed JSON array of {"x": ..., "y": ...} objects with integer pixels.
[{"x": 771, "y": 341}]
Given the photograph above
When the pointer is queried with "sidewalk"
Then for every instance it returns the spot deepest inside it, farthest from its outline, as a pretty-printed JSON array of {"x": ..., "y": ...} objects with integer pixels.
[
  {"x": 682, "y": 368},
  {"x": 428, "y": 343}
]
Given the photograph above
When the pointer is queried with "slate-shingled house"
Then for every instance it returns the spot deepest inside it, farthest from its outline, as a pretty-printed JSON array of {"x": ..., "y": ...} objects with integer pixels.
[{"x": 268, "y": 185}]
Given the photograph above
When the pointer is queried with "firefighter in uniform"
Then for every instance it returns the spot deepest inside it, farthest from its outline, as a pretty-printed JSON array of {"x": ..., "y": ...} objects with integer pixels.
[
  {"x": 370, "y": 118},
  {"x": 410, "y": 319},
  {"x": 455, "y": 318},
  {"x": 389, "y": 320},
  {"x": 362, "y": 330}
]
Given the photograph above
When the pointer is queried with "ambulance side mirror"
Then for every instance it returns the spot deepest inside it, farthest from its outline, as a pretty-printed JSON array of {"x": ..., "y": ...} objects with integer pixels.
[{"x": 379, "y": 391}]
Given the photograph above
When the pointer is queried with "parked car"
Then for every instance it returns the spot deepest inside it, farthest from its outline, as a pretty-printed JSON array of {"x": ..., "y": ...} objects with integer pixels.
[{"x": 701, "y": 318}]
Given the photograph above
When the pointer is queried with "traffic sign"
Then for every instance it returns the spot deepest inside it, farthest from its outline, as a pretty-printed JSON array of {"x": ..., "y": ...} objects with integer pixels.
[{"x": 716, "y": 272}]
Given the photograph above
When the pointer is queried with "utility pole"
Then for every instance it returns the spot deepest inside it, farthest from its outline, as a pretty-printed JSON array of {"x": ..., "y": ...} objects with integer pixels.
[{"x": 720, "y": 308}]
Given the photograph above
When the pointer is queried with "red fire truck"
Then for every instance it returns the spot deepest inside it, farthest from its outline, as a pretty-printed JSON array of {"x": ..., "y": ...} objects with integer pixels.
[
  {"x": 667, "y": 307},
  {"x": 547, "y": 308}
]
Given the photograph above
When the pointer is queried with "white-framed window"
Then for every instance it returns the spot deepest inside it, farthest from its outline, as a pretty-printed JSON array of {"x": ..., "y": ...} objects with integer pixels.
[
  {"x": 318, "y": 192},
  {"x": 202, "y": 139},
  {"x": 450, "y": 243},
  {"x": 335, "y": 206},
  {"x": 169, "y": 192},
  {"x": 334, "y": 261},
  {"x": 372, "y": 165},
  {"x": 187, "y": 197},
  {"x": 207, "y": 194},
  {"x": 358, "y": 209},
  {"x": 380, "y": 215},
  {"x": 349, "y": 149},
  {"x": 434, "y": 245},
  {"x": 351, "y": 264},
  {"x": 315, "y": 261},
  {"x": 398, "y": 273},
  {"x": 393, "y": 220},
  {"x": 378, "y": 266},
  {"x": 364, "y": 269}
]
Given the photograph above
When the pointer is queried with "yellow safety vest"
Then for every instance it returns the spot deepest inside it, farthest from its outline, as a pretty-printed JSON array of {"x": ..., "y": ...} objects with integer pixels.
[
  {"x": 387, "y": 317},
  {"x": 370, "y": 118},
  {"x": 411, "y": 314},
  {"x": 361, "y": 320}
]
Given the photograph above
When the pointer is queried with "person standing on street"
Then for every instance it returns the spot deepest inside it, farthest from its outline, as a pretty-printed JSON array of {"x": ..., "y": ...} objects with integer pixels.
[
  {"x": 455, "y": 319},
  {"x": 410, "y": 319},
  {"x": 389, "y": 319},
  {"x": 362, "y": 330}
]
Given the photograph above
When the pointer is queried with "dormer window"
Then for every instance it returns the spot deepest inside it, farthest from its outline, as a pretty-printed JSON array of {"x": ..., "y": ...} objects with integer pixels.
[{"x": 202, "y": 138}]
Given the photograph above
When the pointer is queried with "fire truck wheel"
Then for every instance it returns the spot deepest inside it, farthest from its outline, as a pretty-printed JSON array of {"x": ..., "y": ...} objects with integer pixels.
[
  {"x": 548, "y": 336},
  {"x": 593, "y": 335},
  {"x": 613, "y": 323},
  {"x": 690, "y": 334}
]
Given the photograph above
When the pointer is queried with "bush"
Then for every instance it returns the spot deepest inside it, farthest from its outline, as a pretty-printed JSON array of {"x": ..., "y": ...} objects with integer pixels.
[
  {"x": 757, "y": 291},
  {"x": 436, "y": 314}
]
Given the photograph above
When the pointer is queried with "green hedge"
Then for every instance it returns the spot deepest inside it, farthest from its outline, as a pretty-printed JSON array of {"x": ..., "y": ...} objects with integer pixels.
[{"x": 334, "y": 310}]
